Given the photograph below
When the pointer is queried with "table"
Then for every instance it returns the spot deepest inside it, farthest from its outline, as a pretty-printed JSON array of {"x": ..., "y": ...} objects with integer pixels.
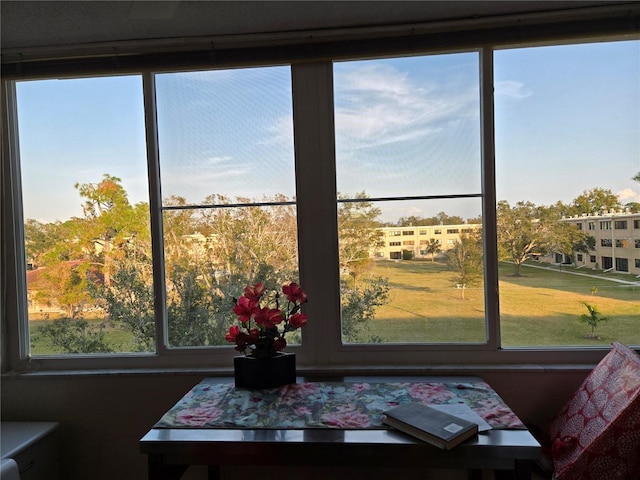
[{"x": 171, "y": 450}]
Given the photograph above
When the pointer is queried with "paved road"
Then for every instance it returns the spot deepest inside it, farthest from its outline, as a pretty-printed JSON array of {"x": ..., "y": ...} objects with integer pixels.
[{"x": 601, "y": 277}]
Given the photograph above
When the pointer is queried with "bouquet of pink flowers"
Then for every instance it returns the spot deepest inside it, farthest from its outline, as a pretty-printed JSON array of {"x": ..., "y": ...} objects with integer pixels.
[{"x": 262, "y": 329}]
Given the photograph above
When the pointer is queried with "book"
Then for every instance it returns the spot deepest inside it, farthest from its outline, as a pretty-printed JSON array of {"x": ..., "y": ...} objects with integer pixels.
[{"x": 430, "y": 425}]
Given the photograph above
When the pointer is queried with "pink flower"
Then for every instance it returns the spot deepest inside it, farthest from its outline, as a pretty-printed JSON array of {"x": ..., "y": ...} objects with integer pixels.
[
  {"x": 346, "y": 419},
  {"x": 198, "y": 416},
  {"x": 294, "y": 293},
  {"x": 255, "y": 292},
  {"x": 268, "y": 317},
  {"x": 298, "y": 320},
  {"x": 233, "y": 333},
  {"x": 279, "y": 344},
  {"x": 245, "y": 309}
]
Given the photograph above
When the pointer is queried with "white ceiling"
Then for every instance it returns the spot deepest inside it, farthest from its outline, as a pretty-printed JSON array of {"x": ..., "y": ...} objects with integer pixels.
[{"x": 49, "y": 23}]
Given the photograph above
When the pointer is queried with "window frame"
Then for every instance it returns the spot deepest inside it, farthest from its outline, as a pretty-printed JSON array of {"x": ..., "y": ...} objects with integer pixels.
[{"x": 315, "y": 163}]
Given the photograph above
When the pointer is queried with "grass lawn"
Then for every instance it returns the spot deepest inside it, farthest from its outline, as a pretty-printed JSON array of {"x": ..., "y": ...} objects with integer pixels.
[{"x": 541, "y": 307}]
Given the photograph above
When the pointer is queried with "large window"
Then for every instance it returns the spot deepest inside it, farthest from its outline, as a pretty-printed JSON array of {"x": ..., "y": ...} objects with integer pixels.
[
  {"x": 409, "y": 128},
  {"x": 554, "y": 107},
  {"x": 148, "y": 201}
]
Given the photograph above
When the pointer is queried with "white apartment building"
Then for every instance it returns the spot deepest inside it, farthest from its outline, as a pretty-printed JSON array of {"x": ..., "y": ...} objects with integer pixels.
[
  {"x": 416, "y": 239},
  {"x": 617, "y": 235}
]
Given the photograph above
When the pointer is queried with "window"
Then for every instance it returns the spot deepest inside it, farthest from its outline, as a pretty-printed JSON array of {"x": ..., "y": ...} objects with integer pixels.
[
  {"x": 592, "y": 258},
  {"x": 622, "y": 264},
  {"x": 422, "y": 232},
  {"x": 579, "y": 226},
  {"x": 637, "y": 243},
  {"x": 540, "y": 198},
  {"x": 637, "y": 262},
  {"x": 620, "y": 224},
  {"x": 622, "y": 243},
  {"x": 248, "y": 154},
  {"x": 636, "y": 224},
  {"x": 424, "y": 107}
]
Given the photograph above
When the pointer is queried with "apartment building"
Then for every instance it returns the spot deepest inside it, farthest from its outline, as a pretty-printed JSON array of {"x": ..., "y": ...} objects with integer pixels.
[
  {"x": 617, "y": 245},
  {"x": 414, "y": 242}
]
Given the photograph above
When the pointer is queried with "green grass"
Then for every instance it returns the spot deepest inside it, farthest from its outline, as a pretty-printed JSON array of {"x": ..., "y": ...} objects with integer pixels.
[{"x": 541, "y": 307}]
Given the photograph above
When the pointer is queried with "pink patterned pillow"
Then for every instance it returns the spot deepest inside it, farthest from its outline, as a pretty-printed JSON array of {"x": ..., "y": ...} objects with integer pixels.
[{"x": 596, "y": 435}]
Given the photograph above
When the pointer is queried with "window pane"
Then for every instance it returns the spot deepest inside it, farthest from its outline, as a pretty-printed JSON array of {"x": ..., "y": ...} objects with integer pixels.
[
  {"x": 411, "y": 270},
  {"x": 227, "y": 173},
  {"x": 567, "y": 149},
  {"x": 86, "y": 210}
]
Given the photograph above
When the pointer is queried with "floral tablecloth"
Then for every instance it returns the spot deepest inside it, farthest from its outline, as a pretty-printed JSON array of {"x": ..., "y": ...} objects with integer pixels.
[{"x": 326, "y": 405}]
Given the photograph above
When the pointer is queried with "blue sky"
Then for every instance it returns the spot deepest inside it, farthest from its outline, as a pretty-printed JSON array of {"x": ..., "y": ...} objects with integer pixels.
[{"x": 567, "y": 120}]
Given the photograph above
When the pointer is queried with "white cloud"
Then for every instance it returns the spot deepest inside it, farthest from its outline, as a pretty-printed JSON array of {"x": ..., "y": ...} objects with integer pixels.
[
  {"x": 628, "y": 195},
  {"x": 512, "y": 89},
  {"x": 380, "y": 105}
]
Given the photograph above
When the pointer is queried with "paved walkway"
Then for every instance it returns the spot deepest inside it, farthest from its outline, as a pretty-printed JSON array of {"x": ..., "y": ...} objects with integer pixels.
[{"x": 635, "y": 283}]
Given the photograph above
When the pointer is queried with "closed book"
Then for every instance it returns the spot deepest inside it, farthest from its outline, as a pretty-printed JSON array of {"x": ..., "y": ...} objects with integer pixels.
[{"x": 430, "y": 425}]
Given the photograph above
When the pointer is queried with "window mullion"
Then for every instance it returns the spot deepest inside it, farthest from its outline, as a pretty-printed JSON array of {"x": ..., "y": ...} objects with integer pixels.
[
  {"x": 492, "y": 307},
  {"x": 317, "y": 208},
  {"x": 155, "y": 207}
]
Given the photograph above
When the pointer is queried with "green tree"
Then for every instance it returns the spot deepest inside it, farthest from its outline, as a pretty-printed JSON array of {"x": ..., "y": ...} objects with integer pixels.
[
  {"x": 522, "y": 232},
  {"x": 433, "y": 248},
  {"x": 358, "y": 305},
  {"x": 594, "y": 201},
  {"x": 592, "y": 319},
  {"x": 75, "y": 336},
  {"x": 465, "y": 260},
  {"x": 358, "y": 235}
]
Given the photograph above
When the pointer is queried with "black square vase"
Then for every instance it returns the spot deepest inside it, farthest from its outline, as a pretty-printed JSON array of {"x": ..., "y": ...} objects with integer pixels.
[{"x": 265, "y": 372}]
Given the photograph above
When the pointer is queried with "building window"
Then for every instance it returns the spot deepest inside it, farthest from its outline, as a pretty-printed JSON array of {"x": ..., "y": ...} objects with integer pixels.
[
  {"x": 395, "y": 233},
  {"x": 437, "y": 231},
  {"x": 592, "y": 258},
  {"x": 422, "y": 232},
  {"x": 451, "y": 231},
  {"x": 607, "y": 263},
  {"x": 636, "y": 224},
  {"x": 408, "y": 232},
  {"x": 637, "y": 242},
  {"x": 591, "y": 225},
  {"x": 605, "y": 225},
  {"x": 579, "y": 257},
  {"x": 637, "y": 261},
  {"x": 395, "y": 244},
  {"x": 622, "y": 242},
  {"x": 408, "y": 243},
  {"x": 622, "y": 264},
  {"x": 579, "y": 225},
  {"x": 620, "y": 224},
  {"x": 605, "y": 242}
]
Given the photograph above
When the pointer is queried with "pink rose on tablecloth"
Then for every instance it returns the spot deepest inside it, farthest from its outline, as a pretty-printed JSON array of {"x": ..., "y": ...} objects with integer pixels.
[
  {"x": 361, "y": 387},
  {"x": 197, "y": 417},
  {"x": 430, "y": 392},
  {"x": 346, "y": 419},
  {"x": 302, "y": 410}
]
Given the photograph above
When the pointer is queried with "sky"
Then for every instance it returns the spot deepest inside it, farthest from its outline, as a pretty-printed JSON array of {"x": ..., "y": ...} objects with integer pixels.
[{"x": 567, "y": 119}]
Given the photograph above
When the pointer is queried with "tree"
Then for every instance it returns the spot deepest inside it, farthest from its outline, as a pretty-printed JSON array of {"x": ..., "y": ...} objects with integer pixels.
[
  {"x": 594, "y": 201},
  {"x": 358, "y": 306},
  {"x": 433, "y": 248},
  {"x": 522, "y": 232},
  {"x": 75, "y": 336},
  {"x": 637, "y": 177},
  {"x": 593, "y": 318},
  {"x": 465, "y": 259},
  {"x": 358, "y": 234}
]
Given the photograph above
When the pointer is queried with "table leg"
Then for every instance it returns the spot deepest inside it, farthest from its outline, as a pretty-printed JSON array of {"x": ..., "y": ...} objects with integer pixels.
[
  {"x": 158, "y": 470},
  {"x": 522, "y": 470}
]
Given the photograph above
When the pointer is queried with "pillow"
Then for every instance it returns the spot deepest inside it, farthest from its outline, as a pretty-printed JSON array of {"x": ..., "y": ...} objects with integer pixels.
[{"x": 596, "y": 435}]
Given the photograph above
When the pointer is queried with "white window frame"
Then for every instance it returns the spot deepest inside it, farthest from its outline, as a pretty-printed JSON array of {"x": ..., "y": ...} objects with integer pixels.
[{"x": 312, "y": 90}]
